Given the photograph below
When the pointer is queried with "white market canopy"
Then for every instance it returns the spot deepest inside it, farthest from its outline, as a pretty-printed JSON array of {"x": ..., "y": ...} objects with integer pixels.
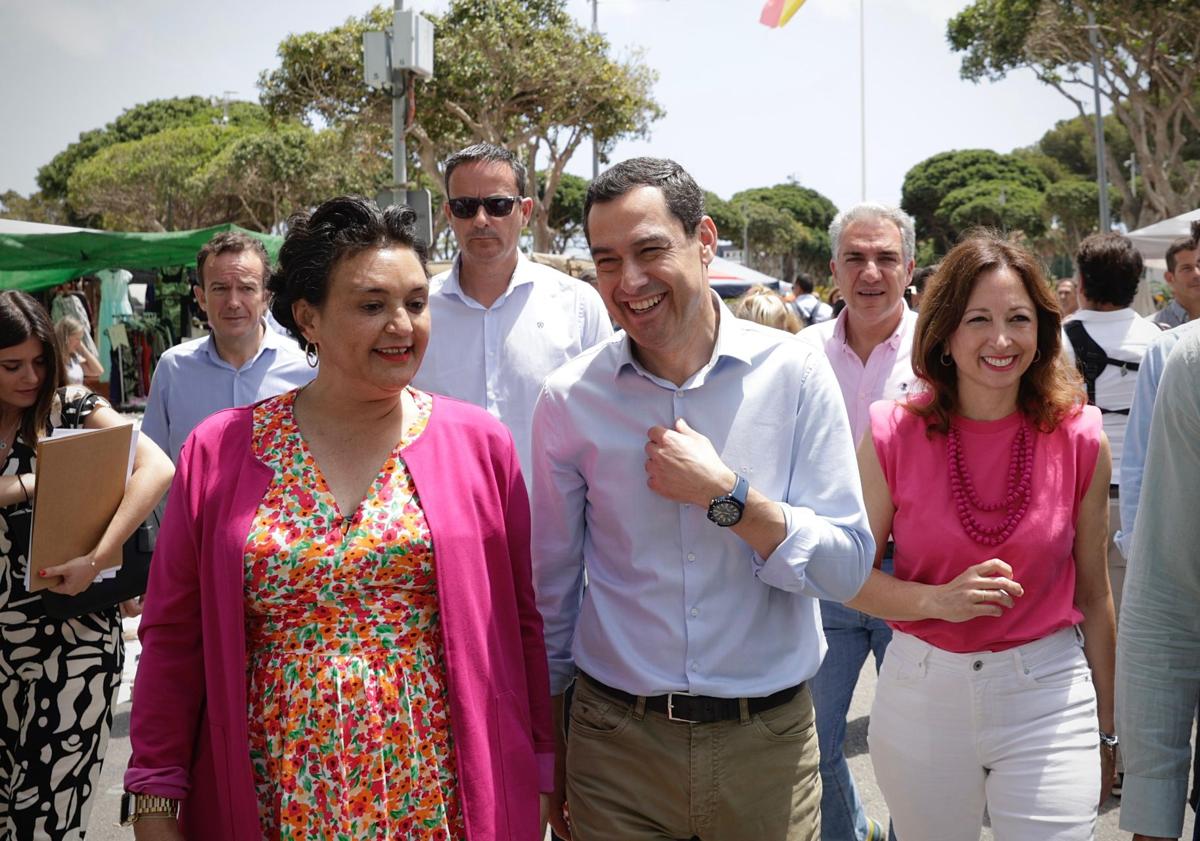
[{"x": 1153, "y": 240}]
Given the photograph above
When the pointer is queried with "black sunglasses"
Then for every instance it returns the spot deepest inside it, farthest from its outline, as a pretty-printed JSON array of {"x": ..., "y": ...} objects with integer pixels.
[{"x": 497, "y": 206}]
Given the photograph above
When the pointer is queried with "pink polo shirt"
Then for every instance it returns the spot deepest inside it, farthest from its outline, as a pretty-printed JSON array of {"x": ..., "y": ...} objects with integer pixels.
[
  {"x": 932, "y": 547},
  {"x": 887, "y": 374}
]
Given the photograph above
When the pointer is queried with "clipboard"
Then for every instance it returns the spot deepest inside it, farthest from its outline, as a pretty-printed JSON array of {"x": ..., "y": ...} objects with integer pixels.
[{"x": 80, "y": 484}]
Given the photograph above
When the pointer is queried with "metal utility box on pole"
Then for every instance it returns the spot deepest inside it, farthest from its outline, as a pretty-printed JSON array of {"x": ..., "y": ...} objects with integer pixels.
[{"x": 388, "y": 59}]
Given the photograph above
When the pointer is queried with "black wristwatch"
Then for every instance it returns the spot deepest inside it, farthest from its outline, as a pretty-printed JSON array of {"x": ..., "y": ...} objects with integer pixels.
[
  {"x": 135, "y": 806},
  {"x": 727, "y": 510}
]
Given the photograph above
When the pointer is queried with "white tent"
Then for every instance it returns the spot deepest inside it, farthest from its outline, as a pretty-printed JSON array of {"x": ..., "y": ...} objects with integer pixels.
[
  {"x": 1153, "y": 240},
  {"x": 731, "y": 279},
  {"x": 19, "y": 226}
]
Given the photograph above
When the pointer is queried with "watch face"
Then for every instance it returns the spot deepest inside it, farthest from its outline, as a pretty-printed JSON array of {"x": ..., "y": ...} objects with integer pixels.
[
  {"x": 126, "y": 809},
  {"x": 725, "y": 512}
]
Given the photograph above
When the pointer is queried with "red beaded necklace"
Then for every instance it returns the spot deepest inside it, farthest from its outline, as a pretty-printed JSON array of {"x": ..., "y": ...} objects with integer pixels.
[{"x": 1018, "y": 491}]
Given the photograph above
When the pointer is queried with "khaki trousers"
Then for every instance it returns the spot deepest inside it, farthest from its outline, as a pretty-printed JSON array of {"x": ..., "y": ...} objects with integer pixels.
[{"x": 634, "y": 775}]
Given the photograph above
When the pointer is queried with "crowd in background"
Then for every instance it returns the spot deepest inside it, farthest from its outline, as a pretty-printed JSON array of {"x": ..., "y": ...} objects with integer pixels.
[{"x": 447, "y": 557}]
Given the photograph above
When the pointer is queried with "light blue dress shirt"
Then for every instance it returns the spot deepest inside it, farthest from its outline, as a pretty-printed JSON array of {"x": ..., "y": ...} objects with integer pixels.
[
  {"x": 1137, "y": 432},
  {"x": 191, "y": 381},
  {"x": 497, "y": 357},
  {"x": 1158, "y": 643},
  {"x": 675, "y": 603}
]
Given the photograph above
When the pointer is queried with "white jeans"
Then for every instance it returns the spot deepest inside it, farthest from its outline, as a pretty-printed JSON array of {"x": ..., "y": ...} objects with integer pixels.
[{"x": 1015, "y": 731}]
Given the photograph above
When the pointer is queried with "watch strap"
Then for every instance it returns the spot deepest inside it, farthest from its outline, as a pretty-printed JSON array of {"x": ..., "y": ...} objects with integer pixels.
[
  {"x": 741, "y": 489},
  {"x": 136, "y": 806}
]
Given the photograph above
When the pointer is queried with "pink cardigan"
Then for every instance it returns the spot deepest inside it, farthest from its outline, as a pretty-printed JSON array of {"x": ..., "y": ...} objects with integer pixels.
[{"x": 189, "y": 728}]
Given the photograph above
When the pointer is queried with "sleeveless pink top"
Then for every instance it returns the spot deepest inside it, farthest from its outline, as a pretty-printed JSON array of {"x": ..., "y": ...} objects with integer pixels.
[{"x": 932, "y": 547}]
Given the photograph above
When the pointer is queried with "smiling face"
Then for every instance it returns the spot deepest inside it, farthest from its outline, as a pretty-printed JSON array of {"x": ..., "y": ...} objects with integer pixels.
[
  {"x": 22, "y": 372},
  {"x": 995, "y": 341},
  {"x": 1066, "y": 296},
  {"x": 233, "y": 295},
  {"x": 870, "y": 272},
  {"x": 1185, "y": 281},
  {"x": 373, "y": 326},
  {"x": 483, "y": 239},
  {"x": 653, "y": 279}
]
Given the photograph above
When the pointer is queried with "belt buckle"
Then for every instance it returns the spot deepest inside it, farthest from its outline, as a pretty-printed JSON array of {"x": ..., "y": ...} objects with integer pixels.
[{"x": 671, "y": 708}]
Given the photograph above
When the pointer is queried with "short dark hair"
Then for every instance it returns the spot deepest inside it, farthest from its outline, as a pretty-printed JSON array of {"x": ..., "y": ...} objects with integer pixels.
[
  {"x": 1109, "y": 269},
  {"x": 23, "y": 318},
  {"x": 490, "y": 153},
  {"x": 804, "y": 281},
  {"x": 231, "y": 242},
  {"x": 921, "y": 277},
  {"x": 1181, "y": 244},
  {"x": 682, "y": 194},
  {"x": 341, "y": 227}
]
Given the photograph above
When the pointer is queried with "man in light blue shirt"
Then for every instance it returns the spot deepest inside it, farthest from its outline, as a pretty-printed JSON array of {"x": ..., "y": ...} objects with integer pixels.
[
  {"x": 660, "y": 473},
  {"x": 240, "y": 362},
  {"x": 1137, "y": 431},
  {"x": 1158, "y": 644}
]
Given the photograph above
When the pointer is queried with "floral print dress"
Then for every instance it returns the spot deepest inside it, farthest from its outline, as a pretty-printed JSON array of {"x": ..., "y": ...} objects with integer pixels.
[{"x": 346, "y": 684}]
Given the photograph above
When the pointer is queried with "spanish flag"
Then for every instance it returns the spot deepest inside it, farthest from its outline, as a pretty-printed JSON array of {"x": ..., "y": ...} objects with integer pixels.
[{"x": 777, "y": 13}]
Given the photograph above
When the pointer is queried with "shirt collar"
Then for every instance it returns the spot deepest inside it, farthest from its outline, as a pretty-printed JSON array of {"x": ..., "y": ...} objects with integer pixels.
[
  {"x": 520, "y": 276},
  {"x": 908, "y": 319},
  {"x": 1123, "y": 314},
  {"x": 731, "y": 342},
  {"x": 270, "y": 339}
]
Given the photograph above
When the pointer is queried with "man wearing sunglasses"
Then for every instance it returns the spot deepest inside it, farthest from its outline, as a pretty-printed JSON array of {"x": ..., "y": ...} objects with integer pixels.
[{"x": 501, "y": 322}]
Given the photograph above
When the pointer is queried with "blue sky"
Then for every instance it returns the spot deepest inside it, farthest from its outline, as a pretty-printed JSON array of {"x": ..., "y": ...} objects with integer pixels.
[{"x": 747, "y": 106}]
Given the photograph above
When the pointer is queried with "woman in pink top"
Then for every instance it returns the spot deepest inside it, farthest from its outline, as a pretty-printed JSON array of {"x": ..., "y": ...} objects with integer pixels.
[
  {"x": 341, "y": 640},
  {"x": 997, "y": 688}
]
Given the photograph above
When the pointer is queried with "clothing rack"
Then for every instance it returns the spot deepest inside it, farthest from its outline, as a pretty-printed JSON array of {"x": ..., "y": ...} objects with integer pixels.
[{"x": 138, "y": 341}]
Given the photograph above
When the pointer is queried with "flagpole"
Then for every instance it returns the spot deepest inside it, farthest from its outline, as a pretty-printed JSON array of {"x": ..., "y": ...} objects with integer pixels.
[{"x": 862, "y": 90}]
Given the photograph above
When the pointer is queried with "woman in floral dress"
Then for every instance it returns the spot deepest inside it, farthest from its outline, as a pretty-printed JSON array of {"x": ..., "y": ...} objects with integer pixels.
[{"x": 341, "y": 640}]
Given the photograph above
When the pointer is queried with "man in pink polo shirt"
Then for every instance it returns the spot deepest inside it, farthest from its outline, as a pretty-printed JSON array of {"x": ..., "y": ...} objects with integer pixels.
[{"x": 869, "y": 346}]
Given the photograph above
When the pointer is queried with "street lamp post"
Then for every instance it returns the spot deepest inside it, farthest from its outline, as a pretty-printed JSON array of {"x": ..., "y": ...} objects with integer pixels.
[{"x": 1101, "y": 173}]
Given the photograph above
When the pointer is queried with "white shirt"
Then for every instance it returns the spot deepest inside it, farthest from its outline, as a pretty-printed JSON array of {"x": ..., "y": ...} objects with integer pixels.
[
  {"x": 887, "y": 374},
  {"x": 1124, "y": 335},
  {"x": 498, "y": 357},
  {"x": 675, "y": 603}
]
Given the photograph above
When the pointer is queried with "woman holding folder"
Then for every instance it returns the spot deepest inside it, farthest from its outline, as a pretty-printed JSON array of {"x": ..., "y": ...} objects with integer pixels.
[{"x": 58, "y": 678}]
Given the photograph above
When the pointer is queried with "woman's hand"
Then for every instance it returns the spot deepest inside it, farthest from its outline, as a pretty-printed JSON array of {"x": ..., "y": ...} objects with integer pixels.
[
  {"x": 157, "y": 829},
  {"x": 132, "y": 607},
  {"x": 985, "y": 589},
  {"x": 1108, "y": 772},
  {"x": 76, "y": 575}
]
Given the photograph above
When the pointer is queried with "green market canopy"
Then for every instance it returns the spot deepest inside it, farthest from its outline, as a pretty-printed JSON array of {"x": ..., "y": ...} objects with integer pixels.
[{"x": 40, "y": 260}]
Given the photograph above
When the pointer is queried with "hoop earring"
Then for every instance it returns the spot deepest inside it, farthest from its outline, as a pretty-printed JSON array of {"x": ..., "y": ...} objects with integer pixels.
[
  {"x": 947, "y": 360},
  {"x": 1037, "y": 355},
  {"x": 311, "y": 355}
]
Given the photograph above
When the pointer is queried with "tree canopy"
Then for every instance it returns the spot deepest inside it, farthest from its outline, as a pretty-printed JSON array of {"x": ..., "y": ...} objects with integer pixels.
[
  {"x": 1148, "y": 75},
  {"x": 953, "y": 191},
  {"x": 518, "y": 73},
  {"x": 139, "y": 122}
]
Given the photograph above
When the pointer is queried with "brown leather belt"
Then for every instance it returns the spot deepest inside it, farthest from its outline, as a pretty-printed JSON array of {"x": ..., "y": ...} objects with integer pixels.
[{"x": 698, "y": 709}]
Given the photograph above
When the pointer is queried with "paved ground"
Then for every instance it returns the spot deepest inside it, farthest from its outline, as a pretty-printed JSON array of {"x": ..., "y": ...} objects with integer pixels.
[{"x": 104, "y": 814}]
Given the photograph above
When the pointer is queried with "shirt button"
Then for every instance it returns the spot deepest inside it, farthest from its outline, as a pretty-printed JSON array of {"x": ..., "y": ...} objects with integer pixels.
[
  {"x": 691, "y": 557},
  {"x": 694, "y": 666},
  {"x": 679, "y": 393},
  {"x": 695, "y": 611},
  {"x": 977, "y": 665}
]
